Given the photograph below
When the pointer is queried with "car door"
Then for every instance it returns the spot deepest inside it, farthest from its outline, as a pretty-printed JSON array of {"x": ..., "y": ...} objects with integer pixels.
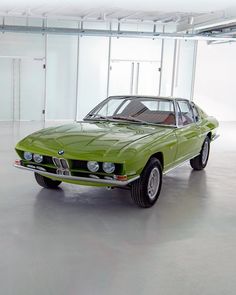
[{"x": 188, "y": 132}]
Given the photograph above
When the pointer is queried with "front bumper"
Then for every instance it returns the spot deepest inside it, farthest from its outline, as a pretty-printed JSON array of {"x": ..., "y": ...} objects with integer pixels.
[
  {"x": 215, "y": 136},
  {"x": 108, "y": 182}
]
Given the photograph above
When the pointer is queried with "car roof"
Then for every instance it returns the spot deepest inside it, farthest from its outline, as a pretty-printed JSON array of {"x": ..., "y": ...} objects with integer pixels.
[{"x": 147, "y": 96}]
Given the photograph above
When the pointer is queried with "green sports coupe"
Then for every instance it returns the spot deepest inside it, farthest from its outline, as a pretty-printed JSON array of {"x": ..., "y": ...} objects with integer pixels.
[{"x": 125, "y": 141}]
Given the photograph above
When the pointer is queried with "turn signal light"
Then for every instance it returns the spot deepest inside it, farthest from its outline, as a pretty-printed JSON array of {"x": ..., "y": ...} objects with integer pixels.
[
  {"x": 17, "y": 162},
  {"x": 121, "y": 177}
]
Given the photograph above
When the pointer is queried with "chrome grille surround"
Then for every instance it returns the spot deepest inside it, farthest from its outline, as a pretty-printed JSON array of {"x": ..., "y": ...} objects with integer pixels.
[{"x": 62, "y": 165}]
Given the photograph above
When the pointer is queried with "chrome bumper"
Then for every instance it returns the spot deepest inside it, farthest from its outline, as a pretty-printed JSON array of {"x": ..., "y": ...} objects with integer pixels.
[
  {"x": 215, "y": 136},
  {"x": 108, "y": 182}
]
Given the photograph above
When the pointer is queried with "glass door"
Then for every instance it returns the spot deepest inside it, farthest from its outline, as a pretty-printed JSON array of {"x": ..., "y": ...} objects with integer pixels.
[
  {"x": 31, "y": 77},
  {"x": 148, "y": 77},
  {"x": 129, "y": 77},
  {"x": 21, "y": 89},
  {"x": 121, "y": 77}
]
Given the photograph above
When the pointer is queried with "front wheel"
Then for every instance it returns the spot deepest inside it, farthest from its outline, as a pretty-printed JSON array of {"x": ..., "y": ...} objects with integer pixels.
[
  {"x": 200, "y": 162},
  {"x": 46, "y": 182},
  {"x": 146, "y": 190}
]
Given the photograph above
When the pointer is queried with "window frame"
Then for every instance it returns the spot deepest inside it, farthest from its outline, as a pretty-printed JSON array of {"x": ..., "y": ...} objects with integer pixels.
[
  {"x": 194, "y": 107},
  {"x": 124, "y": 98},
  {"x": 177, "y": 113}
]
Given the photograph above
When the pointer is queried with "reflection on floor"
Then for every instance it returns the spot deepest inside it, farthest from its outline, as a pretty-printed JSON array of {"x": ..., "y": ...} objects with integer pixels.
[{"x": 80, "y": 240}]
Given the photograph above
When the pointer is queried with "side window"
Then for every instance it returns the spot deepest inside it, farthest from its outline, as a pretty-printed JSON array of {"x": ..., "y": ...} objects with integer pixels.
[
  {"x": 195, "y": 113},
  {"x": 186, "y": 111},
  {"x": 159, "y": 105},
  {"x": 166, "y": 106},
  {"x": 180, "y": 117}
]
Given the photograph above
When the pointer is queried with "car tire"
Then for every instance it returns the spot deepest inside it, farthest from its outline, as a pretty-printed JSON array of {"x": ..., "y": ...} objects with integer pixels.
[
  {"x": 200, "y": 162},
  {"x": 46, "y": 182},
  {"x": 146, "y": 190}
]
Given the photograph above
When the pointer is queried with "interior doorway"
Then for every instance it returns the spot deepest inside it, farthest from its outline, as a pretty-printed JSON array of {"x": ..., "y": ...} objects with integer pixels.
[{"x": 22, "y": 89}]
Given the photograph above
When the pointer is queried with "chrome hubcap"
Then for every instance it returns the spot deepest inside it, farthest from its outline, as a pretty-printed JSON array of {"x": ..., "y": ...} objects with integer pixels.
[
  {"x": 205, "y": 152},
  {"x": 153, "y": 183}
]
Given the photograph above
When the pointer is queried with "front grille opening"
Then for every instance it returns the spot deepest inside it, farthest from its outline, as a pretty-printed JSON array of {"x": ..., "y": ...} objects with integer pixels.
[
  {"x": 53, "y": 163},
  {"x": 47, "y": 160},
  {"x": 56, "y": 162},
  {"x": 64, "y": 164}
]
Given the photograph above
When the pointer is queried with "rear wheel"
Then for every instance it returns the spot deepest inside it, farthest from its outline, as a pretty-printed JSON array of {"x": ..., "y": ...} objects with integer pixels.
[
  {"x": 46, "y": 182},
  {"x": 200, "y": 162},
  {"x": 146, "y": 190}
]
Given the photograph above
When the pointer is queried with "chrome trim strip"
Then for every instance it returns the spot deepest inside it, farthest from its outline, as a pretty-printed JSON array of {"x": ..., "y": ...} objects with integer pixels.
[
  {"x": 57, "y": 164},
  {"x": 60, "y": 163},
  {"x": 180, "y": 164},
  {"x": 61, "y": 170},
  {"x": 215, "y": 136},
  {"x": 78, "y": 178}
]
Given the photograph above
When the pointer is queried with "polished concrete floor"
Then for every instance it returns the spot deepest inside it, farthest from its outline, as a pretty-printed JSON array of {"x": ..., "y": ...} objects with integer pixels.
[{"x": 80, "y": 240}]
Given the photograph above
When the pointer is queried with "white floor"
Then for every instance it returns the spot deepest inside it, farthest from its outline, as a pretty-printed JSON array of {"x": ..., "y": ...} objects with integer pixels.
[{"x": 81, "y": 240}]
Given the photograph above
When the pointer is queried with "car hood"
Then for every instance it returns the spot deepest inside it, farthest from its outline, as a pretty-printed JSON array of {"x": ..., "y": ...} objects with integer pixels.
[{"x": 92, "y": 140}]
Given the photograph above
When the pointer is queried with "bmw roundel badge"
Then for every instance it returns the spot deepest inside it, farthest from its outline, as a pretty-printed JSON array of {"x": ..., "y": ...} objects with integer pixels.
[{"x": 61, "y": 152}]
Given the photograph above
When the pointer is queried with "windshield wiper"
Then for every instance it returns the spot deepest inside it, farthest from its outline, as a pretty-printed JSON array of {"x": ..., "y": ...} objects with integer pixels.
[
  {"x": 124, "y": 118},
  {"x": 129, "y": 118},
  {"x": 96, "y": 116}
]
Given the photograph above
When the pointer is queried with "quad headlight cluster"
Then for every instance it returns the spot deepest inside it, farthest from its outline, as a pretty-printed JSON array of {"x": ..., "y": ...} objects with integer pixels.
[
  {"x": 36, "y": 157},
  {"x": 107, "y": 167},
  {"x": 92, "y": 166}
]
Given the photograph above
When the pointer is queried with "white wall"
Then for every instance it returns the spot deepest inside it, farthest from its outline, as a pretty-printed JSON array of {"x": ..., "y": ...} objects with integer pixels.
[
  {"x": 135, "y": 49},
  {"x": 6, "y": 95},
  {"x": 183, "y": 51},
  {"x": 135, "y": 66},
  {"x": 25, "y": 45},
  {"x": 61, "y": 80},
  {"x": 93, "y": 71},
  {"x": 167, "y": 67},
  {"x": 61, "y": 77},
  {"x": 21, "y": 49},
  {"x": 184, "y": 69},
  {"x": 215, "y": 86},
  {"x": 93, "y": 65}
]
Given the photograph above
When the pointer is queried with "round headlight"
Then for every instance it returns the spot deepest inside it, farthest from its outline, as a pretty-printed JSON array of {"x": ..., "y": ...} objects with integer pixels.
[
  {"x": 38, "y": 158},
  {"x": 28, "y": 156},
  {"x": 108, "y": 167},
  {"x": 93, "y": 166}
]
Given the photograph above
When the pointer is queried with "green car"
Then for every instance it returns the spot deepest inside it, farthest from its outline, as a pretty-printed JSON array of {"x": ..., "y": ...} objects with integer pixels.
[{"x": 125, "y": 141}]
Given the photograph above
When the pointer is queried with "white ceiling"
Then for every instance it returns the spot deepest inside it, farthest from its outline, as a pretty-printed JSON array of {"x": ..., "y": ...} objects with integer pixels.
[
  {"x": 188, "y": 14},
  {"x": 85, "y": 7}
]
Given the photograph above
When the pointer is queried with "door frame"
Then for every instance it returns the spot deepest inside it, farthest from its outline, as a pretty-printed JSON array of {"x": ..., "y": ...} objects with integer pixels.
[
  {"x": 19, "y": 58},
  {"x": 135, "y": 68}
]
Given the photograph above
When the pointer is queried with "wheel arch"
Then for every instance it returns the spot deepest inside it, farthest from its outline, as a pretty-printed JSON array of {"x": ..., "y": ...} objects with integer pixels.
[
  {"x": 160, "y": 157},
  {"x": 209, "y": 134}
]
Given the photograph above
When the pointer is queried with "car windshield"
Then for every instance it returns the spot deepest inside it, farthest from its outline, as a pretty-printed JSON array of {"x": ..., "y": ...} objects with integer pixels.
[{"x": 135, "y": 109}]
